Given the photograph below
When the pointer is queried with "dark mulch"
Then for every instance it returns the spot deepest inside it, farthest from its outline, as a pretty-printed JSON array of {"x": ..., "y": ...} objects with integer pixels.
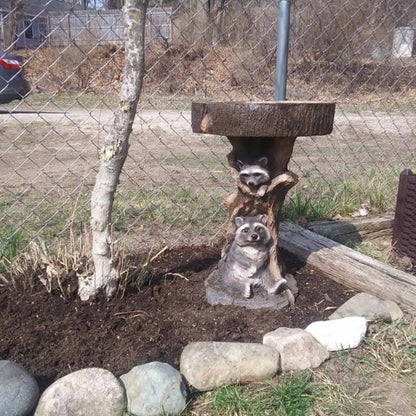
[{"x": 52, "y": 336}]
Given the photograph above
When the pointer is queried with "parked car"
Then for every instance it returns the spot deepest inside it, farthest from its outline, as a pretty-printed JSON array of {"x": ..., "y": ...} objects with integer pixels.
[{"x": 13, "y": 85}]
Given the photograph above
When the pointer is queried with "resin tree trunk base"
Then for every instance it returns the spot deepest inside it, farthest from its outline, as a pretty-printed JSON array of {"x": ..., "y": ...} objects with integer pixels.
[{"x": 262, "y": 136}]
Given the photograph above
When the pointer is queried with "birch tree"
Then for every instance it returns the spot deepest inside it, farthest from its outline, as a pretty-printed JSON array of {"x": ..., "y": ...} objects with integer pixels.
[{"x": 113, "y": 154}]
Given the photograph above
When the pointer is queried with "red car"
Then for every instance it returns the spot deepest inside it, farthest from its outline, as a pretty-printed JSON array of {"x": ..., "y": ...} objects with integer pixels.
[{"x": 13, "y": 85}]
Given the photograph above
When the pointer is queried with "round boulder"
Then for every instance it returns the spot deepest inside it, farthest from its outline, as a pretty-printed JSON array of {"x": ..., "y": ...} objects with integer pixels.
[
  {"x": 87, "y": 392},
  {"x": 154, "y": 388},
  {"x": 369, "y": 307},
  {"x": 298, "y": 349},
  {"x": 19, "y": 391},
  {"x": 207, "y": 365}
]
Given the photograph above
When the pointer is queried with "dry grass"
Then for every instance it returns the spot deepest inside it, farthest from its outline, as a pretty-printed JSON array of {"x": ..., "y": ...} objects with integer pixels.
[
  {"x": 383, "y": 250},
  {"x": 392, "y": 348},
  {"x": 379, "y": 378},
  {"x": 51, "y": 263}
]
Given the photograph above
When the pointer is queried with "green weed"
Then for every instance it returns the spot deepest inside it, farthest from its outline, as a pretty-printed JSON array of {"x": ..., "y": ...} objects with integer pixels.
[
  {"x": 344, "y": 196},
  {"x": 291, "y": 396},
  {"x": 235, "y": 400},
  {"x": 295, "y": 394},
  {"x": 10, "y": 247}
]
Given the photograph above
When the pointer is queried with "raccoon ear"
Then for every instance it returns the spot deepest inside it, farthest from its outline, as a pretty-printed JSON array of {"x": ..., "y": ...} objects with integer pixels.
[
  {"x": 262, "y": 218},
  {"x": 240, "y": 164},
  {"x": 263, "y": 161},
  {"x": 239, "y": 221}
]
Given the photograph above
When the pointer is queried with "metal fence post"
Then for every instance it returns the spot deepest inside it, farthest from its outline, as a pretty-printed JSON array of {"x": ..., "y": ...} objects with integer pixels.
[{"x": 282, "y": 49}]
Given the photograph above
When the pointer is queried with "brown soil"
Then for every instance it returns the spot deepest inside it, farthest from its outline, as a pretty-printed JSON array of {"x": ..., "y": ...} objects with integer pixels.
[{"x": 52, "y": 336}]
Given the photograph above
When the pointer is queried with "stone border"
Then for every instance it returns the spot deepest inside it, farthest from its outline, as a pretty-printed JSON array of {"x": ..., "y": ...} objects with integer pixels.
[{"x": 203, "y": 365}]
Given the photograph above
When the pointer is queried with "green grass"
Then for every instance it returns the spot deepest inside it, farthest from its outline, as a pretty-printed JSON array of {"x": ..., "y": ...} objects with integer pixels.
[
  {"x": 44, "y": 219},
  {"x": 343, "y": 196},
  {"x": 163, "y": 207},
  {"x": 289, "y": 396},
  {"x": 89, "y": 101},
  {"x": 10, "y": 247},
  {"x": 173, "y": 209},
  {"x": 295, "y": 394},
  {"x": 169, "y": 207},
  {"x": 64, "y": 101}
]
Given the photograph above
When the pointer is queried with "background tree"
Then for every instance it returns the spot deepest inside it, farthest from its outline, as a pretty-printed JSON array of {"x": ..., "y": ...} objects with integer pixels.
[{"x": 10, "y": 24}]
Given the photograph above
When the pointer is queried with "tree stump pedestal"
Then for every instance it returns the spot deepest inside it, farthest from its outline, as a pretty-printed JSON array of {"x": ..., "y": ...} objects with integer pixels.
[{"x": 262, "y": 136}]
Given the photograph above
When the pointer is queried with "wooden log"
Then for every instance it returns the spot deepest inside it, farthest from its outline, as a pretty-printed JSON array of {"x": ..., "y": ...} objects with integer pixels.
[
  {"x": 348, "y": 267},
  {"x": 264, "y": 119},
  {"x": 357, "y": 229}
]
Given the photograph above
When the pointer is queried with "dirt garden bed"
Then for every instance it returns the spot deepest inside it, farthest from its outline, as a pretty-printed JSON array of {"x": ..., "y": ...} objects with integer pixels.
[{"x": 52, "y": 336}]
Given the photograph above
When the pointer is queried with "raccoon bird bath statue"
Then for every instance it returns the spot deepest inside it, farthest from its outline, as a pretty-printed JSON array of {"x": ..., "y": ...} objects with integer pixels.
[
  {"x": 247, "y": 261},
  {"x": 262, "y": 136}
]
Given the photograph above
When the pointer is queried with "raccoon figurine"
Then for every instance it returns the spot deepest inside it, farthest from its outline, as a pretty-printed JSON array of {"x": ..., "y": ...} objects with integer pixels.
[
  {"x": 256, "y": 175},
  {"x": 248, "y": 255}
]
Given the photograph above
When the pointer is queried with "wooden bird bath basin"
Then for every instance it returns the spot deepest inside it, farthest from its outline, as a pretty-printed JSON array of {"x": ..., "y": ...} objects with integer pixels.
[{"x": 262, "y": 135}]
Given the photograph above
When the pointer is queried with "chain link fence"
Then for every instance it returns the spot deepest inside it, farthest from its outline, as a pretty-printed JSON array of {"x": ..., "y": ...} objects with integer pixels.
[{"x": 359, "y": 54}]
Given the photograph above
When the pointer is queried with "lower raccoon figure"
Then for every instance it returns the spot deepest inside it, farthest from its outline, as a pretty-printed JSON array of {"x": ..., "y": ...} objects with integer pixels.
[
  {"x": 248, "y": 255},
  {"x": 256, "y": 175}
]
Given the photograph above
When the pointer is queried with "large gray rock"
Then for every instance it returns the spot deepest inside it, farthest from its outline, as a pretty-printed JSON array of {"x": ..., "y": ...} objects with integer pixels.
[
  {"x": 339, "y": 334},
  {"x": 87, "y": 392},
  {"x": 298, "y": 349},
  {"x": 19, "y": 391},
  {"x": 207, "y": 365},
  {"x": 369, "y": 307},
  {"x": 154, "y": 388}
]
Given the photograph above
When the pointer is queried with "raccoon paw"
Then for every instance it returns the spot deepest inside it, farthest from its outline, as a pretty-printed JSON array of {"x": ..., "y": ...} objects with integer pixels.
[
  {"x": 273, "y": 290},
  {"x": 247, "y": 291},
  {"x": 287, "y": 293},
  {"x": 262, "y": 191}
]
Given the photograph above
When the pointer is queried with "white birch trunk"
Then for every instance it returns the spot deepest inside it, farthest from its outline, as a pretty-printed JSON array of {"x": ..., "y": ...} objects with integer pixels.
[{"x": 113, "y": 154}]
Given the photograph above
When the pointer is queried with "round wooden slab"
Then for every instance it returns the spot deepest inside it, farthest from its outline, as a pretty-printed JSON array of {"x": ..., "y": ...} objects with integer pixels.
[{"x": 265, "y": 119}]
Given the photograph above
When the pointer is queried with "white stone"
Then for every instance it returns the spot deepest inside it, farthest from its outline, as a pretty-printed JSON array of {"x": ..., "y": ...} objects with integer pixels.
[
  {"x": 207, "y": 365},
  {"x": 87, "y": 392},
  {"x": 369, "y": 307},
  {"x": 298, "y": 349},
  {"x": 154, "y": 388},
  {"x": 19, "y": 390},
  {"x": 339, "y": 334}
]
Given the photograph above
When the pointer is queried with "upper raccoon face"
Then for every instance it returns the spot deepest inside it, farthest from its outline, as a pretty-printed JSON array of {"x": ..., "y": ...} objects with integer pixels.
[
  {"x": 252, "y": 230},
  {"x": 255, "y": 174}
]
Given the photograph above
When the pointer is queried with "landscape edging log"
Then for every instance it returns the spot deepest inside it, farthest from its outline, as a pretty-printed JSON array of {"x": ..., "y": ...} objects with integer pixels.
[{"x": 348, "y": 267}]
